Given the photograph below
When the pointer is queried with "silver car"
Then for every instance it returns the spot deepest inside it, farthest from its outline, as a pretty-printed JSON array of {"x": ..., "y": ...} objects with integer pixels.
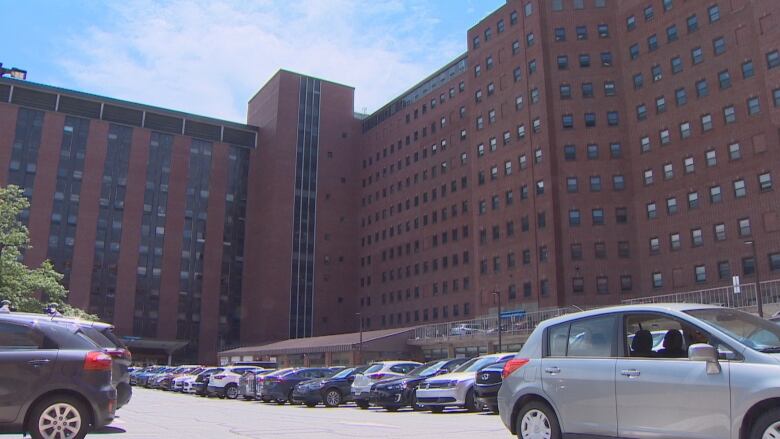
[{"x": 716, "y": 375}]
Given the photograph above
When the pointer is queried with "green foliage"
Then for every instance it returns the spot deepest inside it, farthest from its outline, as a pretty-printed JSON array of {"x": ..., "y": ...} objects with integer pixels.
[{"x": 24, "y": 286}]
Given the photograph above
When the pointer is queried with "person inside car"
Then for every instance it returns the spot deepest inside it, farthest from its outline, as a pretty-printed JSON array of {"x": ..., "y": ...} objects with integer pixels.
[
  {"x": 673, "y": 345},
  {"x": 642, "y": 344}
]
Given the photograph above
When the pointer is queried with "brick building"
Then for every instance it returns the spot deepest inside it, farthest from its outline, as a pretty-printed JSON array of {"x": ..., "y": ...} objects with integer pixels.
[{"x": 580, "y": 152}]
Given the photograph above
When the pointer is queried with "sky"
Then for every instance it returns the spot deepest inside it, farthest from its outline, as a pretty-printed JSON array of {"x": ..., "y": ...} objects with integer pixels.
[{"x": 209, "y": 57}]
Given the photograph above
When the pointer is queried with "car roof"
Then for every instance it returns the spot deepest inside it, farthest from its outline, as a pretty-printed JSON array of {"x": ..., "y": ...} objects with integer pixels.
[
  {"x": 28, "y": 316},
  {"x": 650, "y": 307}
]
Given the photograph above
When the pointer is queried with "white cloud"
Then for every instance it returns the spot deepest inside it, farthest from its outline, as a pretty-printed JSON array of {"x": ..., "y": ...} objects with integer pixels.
[{"x": 210, "y": 57}]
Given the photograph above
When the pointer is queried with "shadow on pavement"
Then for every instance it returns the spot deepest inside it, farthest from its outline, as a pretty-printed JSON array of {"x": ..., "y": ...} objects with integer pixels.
[{"x": 109, "y": 430}]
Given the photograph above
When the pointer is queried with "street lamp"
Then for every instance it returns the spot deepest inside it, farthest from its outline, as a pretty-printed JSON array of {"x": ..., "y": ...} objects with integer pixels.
[
  {"x": 13, "y": 72},
  {"x": 360, "y": 343},
  {"x": 497, "y": 293},
  {"x": 759, "y": 299}
]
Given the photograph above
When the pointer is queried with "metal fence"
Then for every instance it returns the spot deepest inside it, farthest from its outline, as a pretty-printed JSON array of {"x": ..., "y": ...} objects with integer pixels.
[{"x": 744, "y": 299}]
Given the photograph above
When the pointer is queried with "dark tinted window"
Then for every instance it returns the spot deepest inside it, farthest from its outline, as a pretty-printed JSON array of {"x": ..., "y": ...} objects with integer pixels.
[{"x": 16, "y": 337}]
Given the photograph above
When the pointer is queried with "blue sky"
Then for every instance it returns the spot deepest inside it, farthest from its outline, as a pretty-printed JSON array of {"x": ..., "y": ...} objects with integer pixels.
[{"x": 210, "y": 56}]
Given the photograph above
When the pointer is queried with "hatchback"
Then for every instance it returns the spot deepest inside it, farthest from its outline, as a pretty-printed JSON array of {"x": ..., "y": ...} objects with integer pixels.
[{"x": 599, "y": 373}]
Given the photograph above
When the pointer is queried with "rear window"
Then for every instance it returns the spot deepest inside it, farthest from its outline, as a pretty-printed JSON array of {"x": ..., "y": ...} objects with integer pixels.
[
  {"x": 109, "y": 334},
  {"x": 98, "y": 337},
  {"x": 374, "y": 368}
]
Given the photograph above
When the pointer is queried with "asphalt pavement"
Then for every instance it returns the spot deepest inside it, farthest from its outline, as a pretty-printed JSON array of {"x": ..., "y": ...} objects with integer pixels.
[{"x": 153, "y": 414}]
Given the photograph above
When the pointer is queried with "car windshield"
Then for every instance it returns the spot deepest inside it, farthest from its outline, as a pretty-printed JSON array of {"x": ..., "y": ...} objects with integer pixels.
[
  {"x": 374, "y": 368},
  {"x": 344, "y": 373},
  {"x": 280, "y": 372},
  {"x": 475, "y": 364},
  {"x": 427, "y": 369},
  {"x": 753, "y": 332}
]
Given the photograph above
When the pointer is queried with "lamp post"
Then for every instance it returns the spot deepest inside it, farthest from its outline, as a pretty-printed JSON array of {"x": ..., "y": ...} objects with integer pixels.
[
  {"x": 759, "y": 299},
  {"x": 497, "y": 293},
  {"x": 13, "y": 72},
  {"x": 360, "y": 343}
]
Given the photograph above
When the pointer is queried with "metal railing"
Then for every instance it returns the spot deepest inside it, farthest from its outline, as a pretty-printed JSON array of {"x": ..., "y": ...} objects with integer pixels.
[
  {"x": 745, "y": 299},
  {"x": 723, "y": 296}
]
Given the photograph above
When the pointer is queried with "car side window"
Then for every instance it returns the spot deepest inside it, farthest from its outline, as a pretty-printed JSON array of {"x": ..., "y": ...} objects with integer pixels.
[
  {"x": 558, "y": 340},
  {"x": 19, "y": 337},
  {"x": 593, "y": 337},
  {"x": 654, "y": 335},
  {"x": 402, "y": 368}
]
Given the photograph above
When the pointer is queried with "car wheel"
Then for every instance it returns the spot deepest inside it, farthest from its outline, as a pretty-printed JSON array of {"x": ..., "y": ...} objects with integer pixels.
[
  {"x": 291, "y": 400},
  {"x": 280, "y": 401},
  {"x": 471, "y": 403},
  {"x": 311, "y": 405},
  {"x": 767, "y": 426},
  {"x": 415, "y": 405},
  {"x": 437, "y": 408},
  {"x": 265, "y": 399},
  {"x": 231, "y": 391},
  {"x": 59, "y": 417},
  {"x": 537, "y": 420},
  {"x": 362, "y": 404},
  {"x": 332, "y": 398}
]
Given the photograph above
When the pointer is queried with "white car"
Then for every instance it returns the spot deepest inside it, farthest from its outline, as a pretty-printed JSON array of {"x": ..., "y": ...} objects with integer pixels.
[
  {"x": 178, "y": 382},
  {"x": 225, "y": 383},
  {"x": 456, "y": 389},
  {"x": 361, "y": 386}
]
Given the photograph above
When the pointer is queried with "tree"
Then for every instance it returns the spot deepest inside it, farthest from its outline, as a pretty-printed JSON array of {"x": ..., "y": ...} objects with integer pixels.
[{"x": 28, "y": 289}]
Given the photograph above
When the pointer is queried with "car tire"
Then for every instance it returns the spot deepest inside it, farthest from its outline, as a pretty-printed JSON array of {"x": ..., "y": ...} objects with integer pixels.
[
  {"x": 362, "y": 404},
  {"x": 437, "y": 408},
  {"x": 291, "y": 400},
  {"x": 332, "y": 398},
  {"x": 471, "y": 402},
  {"x": 766, "y": 423},
  {"x": 76, "y": 417},
  {"x": 265, "y": 399},
  {"x": 231, "y": 391},
  {"x": 280, "y": 401},
  {"x": 537, "y": 414}
]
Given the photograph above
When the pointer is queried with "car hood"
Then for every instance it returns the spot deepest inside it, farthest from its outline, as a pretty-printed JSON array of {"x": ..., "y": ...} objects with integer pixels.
[{"x": 457, "y": 376}]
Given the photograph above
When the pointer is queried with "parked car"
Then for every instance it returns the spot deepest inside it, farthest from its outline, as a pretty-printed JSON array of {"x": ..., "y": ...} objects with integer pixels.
[
  {"x": 332, "y": 390},
  {"x": 466, "y": 329},
  {"x": 456, "y": 389},
  {"x": 247, "y": 384},
  {"x": 165, "y": 381},
  {"x": 260, "y": 379},
  {"x": 394, "y": 393},
  {"x": 488, "y": 381},
  {"x": 177, "y": 383},
  {"x": 199, "y": 386},
  {"x": 280, "y": 387},
  {"x": 151, "y": 378},
  {"x": 361, "y": 385},
  {"x": 715, "y": 376},
  {"x": 54, "y": 380},
  {"x": 225, "y": 384}
]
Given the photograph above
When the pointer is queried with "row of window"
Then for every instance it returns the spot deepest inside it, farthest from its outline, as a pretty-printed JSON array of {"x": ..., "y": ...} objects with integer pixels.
[
  {"x": 697, "y": 236},
  {"x": 692, "y": 21},
  {"x": 724, "y": 270},
  {"x": 397, "y": 318}
]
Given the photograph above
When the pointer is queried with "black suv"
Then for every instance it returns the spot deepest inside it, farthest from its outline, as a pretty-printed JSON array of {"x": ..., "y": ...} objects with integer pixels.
[{"x": 54, "y": 380}]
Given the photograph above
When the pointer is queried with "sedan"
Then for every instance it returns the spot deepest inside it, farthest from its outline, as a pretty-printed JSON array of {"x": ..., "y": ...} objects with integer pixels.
[
  {"x": 332, "y": 391},
  {"x": 280, "y": 387},
  {"x": 394, "y": 393}
]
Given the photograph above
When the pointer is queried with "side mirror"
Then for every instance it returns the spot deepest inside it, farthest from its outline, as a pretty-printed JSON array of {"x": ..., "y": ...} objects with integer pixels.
[
  {"x": 351, "y": 378},
  {"x": 706, "y": 353}
]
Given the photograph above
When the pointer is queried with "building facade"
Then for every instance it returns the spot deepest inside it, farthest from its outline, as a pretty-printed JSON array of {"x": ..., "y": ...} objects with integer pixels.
[{"x": 580, "y": 152}]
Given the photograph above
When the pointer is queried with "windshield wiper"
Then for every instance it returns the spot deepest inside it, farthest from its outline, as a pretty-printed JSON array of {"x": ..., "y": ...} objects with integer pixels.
[{"x": 770, "y": 350}]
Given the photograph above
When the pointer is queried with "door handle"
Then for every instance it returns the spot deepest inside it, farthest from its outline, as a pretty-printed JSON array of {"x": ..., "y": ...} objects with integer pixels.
[
  {"x": 38, "y": 363},
  {"x": 631, "y": 373},
  {"x": 552, "y": 370}
]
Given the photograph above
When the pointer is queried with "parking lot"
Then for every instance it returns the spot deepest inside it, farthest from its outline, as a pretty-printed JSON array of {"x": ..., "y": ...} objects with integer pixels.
[{"x": 156, "y": 414}]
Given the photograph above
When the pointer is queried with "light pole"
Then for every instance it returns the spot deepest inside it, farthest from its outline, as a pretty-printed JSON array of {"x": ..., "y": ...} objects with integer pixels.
[
  {"x": 360, "y": 343},
  {"x": 497, "y": 293},
  {"x": 759, "y": 299}
]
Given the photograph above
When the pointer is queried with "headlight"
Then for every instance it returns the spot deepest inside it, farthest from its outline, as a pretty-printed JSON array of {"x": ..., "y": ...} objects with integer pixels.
[{"x": 452, "y": 384}]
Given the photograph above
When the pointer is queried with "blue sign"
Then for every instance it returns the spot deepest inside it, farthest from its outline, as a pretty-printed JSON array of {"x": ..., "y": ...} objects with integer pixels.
[{"x": 509, "y": 314}]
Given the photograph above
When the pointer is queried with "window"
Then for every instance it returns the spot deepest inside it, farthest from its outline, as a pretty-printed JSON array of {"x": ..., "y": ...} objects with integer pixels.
[
  {"x": 748, "y": 266},
  {"x": 633, "y": 51},
  {"x": 641, "y": 112},
  {"x": 724, "y": 79},
  {"x": 671, "y": 205},
  {"x": 706, "y": 122},
  {"x": 500, "y": 26},
  {"x": 652, "y": 43},
  {"x": 531, "y": 67},
  {"x": 609, "y": 88},
  {"x": 719, "y": 232},
  {"x": 668, "y": 171},
  {"x": 578, "y": 285},
  {"x": 677, "y": 65},
  {"x": 714, "y": 13},
  {"x": 18, "y": 337},
  {"x": 716, "y": 195},
  {"x": 513, "y": 18},
  {"x": 618, "y": 182},
  {"x": 519, "y": 103},
  {"x": 655, "y": 245},
  {"x": 688, "y": 165},
  {"x": 587, "y": 89},
  {"x": 638, "y": 81},
  {"x": 747, "y": 69},
  {"x": 584, "y": 60},
  {"x": 590, "y": 120},
  {"x": 565, "y": 90},
  {"x": 488, "y": 34},
  {"x": 693, "y": 200},
  {"x": 630, "y": 22},
  {"x": 681, "y": 96},
  {"x": 603, "y": 31},
  {"x": 740, "y": 190},
  {"x": 697, "y": 55},
  {"x": 597, "y": 216},
  {"x": 648, "y": 13},
  {"x": 702, "y": 89},
  {"x": 693, "y": 23},
  {"x": 518, "y": 74},
  {"x": 575, "y": 218},
  {"x": 772, "y": 59},
  {"x": 724, "y": 270},
  {"x": 754, "y": 107},
  {"x": 563, "y": 62},
  {"x": 685, "y": 130},
  {"x": 569, "y": 152},
  {"x": 765, "y": 182},
  {"x": 528, "y": 9},
  {"x": 735, "y": 152},
  {"x": 774, "y": 261},
  {"x": 576, "y": 252},
  {"x": 657, "y": 73},
  {"x": 697, "y": 238},
  {"x": 593, "y": 151},
  {"x": 613, "y": 119},
  {"x": 711, "y": 158},
  {"x": 665, "y": 137},
  {"x": 652, "y": 211},
  {"x": 582, "y": 32},
  {"x": 572, "y": 184},
  {"x": 615, "y": 150},
  {"x": 560, "y": 34},
  {"x": 568, "y": 121},
  {"x": 621, "y": 215},
  {"x": 644, "y": 144},
  {"x": 744, "y": 227},
  {"x": 529, "y": 39},
  {"x": 671, "y": 34},
  {"x": 592, "y": 338},
  {"x": 719, "y": 45},
  {"x": 674, "y": 241},
  {"x": 658, "y": 280}
]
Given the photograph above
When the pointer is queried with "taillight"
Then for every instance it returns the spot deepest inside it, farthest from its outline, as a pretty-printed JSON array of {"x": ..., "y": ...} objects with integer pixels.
[
  {"x": 512, "y": 365},
  {"x": 377, "y": 376},
  {"x": 97, "y": 361}
]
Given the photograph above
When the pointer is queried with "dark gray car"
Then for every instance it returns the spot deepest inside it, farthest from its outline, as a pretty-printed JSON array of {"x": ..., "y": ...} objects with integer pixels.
[{"x": 54, "y": 381}]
